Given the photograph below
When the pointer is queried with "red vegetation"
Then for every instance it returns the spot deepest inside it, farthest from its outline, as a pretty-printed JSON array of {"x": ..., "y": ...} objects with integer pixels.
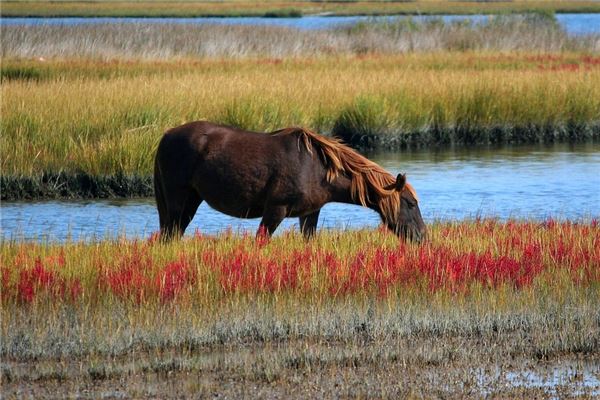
[
  {"x": 590, "y": 60},
  {"x": 550, "y": 62},
  {"x": 545, "y": 58},
  {"x": 486, "y": 253},
  {"x": 129, "y": 279},
  {"x": 40, "y": 279},
  {"x": 173, "y": 278},
  {"x": 560, "y": 67}
]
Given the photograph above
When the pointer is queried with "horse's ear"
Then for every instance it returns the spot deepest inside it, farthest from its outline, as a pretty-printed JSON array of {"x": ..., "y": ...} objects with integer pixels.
[{"x": 399, "y": 184}]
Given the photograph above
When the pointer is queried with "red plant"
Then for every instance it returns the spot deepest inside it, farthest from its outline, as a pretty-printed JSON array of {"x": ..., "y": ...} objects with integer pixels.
[
  {"x": 515, "y": 254},
  {"x": 129, "y": 280},
  {"x": 38, "y": 280},
  {"x": 590, "y": 60},
  {"x": 32, "y": 280},
  {"x": 174, "y": 277},
  {"x": 262, "y": 237}
]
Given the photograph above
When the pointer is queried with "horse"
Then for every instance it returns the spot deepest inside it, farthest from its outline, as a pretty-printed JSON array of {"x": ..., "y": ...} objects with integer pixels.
[{"x": 292, "y": 172}]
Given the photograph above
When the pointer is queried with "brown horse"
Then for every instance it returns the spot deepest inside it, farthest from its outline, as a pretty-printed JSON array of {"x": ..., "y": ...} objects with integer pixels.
[{"x": 289, "y": 173}]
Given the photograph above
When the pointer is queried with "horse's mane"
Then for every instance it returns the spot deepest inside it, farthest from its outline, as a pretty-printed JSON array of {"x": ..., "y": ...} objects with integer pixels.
[{"x": 364, "y": 174}]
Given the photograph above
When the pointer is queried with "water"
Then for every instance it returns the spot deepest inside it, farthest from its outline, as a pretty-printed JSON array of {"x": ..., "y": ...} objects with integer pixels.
[
  {"x": 560, "y": 181},
  {"x": 559, "y": 379},
  {"x": 572, "y": 23}
]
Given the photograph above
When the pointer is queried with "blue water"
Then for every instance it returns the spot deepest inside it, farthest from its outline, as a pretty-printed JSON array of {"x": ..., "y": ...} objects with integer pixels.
[
  {"x": 560, "y": 181},
  {"x": 572, "y": 23}
]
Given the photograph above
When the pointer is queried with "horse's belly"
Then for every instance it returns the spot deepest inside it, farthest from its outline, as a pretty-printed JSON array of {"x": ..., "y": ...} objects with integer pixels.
[{"x": 236, "y": 210}]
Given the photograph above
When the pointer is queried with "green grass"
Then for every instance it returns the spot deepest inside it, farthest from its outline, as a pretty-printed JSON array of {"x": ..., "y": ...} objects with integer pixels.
[{"x": 283, "y": 9}]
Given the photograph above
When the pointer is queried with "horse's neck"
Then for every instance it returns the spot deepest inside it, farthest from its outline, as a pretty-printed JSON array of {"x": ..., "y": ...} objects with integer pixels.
[{"x": 341, "y": 192}]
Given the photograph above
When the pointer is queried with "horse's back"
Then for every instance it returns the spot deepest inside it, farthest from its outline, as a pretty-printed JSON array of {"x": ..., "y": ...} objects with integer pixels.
[
  {"x": 233, "y": 170},
  {"x": 201, "y": 137}
]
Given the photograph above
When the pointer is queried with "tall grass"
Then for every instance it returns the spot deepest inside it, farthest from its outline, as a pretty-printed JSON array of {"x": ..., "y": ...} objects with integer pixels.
[
  {"x": 106, "y": 118},
  {"x": 85, "y": 102},
  {"x": 167, "y": 41}
]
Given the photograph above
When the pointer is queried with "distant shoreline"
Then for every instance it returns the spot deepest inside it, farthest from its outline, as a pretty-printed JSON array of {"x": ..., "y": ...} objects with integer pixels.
[{"x": 169, "y": 9}]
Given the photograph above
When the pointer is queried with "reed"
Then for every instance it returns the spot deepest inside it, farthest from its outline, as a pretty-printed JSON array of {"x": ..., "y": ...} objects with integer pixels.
[
  {"x": 158, "y": 41},
  {"x": 109, "y": 310}
]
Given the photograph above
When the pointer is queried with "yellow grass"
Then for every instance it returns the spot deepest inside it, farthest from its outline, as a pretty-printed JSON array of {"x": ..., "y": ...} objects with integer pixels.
[{"x": 106, "y": 118}]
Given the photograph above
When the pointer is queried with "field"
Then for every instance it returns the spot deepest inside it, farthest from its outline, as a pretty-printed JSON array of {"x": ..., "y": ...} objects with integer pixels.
[
  {"x": 485, "y": 308},
  {"x": 241, "y": 316},
  {"x": 274, "y": 8},
  {"x": 84, "y": 106}
]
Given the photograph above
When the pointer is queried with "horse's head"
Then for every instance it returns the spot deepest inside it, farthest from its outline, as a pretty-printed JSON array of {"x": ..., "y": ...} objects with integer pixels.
[{"x": 407, "y": 223}]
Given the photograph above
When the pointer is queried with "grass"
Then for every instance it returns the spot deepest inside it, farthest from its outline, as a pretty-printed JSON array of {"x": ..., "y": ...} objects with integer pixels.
[
  {"x": 152, "y": 41},
  {"x": 105, "y": 118},
  {"x": 228, "y": 313},
  {"x": 89, "y": 103},
  {"x": 75, "y": 186},
  {"x": 19, "y": 8}
]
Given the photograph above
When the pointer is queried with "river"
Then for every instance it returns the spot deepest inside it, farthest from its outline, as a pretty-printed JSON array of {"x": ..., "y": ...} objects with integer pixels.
[
  {"x": 521, "y": 182},
  {"x": 572, "y": 23}
]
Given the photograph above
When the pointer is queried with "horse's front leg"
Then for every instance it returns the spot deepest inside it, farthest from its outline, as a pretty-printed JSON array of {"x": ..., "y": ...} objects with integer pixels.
[
  {"x": 272, "y": 217},
  {"x": 308, "y": 224}
]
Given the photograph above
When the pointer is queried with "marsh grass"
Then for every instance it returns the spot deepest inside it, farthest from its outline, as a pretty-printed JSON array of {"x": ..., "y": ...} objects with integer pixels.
[
  {"x": 92, "y": 101},
  {"x": 206, "y": 291},
  {"x": 103, "y": 119},
  {"x": 362, "y": 120},
  {"x": 20, "y": 73},
  {"x": 263, "y": 334},
  {"x": 75, "y": 186},
  {"x": 529, "y": 32}
]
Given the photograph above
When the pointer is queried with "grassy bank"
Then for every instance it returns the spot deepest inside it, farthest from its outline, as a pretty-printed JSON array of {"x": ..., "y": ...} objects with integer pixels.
[
  {"x": 18, "y": 8},
  {"x": 228, "y": 313},
  {"x": 84, "y": 106},
  {"x": 97, "y": 119},
  {"x": 75, "y": 186}
]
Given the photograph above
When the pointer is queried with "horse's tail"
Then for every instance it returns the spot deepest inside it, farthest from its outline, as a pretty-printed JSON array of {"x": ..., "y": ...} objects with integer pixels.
[{"x": 159, "y": 194}]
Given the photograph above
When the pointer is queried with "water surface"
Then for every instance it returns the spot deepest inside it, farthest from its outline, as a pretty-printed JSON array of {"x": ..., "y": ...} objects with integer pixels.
[
  {"x": 524, "y": 182},
  {"x": 556, "y": 379},
  {"x": 572, "y": 23}
]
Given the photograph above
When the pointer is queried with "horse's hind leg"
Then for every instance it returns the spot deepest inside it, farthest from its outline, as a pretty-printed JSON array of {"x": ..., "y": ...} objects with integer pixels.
[
  {"x": 182, "y": 207},
  {"x": 308, "y": 224}
]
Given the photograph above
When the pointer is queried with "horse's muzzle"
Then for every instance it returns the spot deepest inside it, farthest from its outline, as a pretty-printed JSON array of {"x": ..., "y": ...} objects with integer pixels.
[{"x": 413, "y": 234}]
